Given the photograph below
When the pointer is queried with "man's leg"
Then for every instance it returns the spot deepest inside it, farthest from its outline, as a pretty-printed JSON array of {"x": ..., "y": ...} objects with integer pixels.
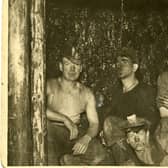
[
  {"x": 51, "y": 145},
  {"x": 93, "y": 156},
  {"x": 58, "y": 142},
  {"x": 112, "y": 131},
  {"x": 53, "y": 153}
]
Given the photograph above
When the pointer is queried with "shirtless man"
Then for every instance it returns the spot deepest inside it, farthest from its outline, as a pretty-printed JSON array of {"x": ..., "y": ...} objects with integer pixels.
[{"x": 66, "y": 100}]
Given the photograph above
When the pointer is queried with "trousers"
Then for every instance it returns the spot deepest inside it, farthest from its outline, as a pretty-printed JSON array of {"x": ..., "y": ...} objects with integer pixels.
[{"x": 59, "y": 142}]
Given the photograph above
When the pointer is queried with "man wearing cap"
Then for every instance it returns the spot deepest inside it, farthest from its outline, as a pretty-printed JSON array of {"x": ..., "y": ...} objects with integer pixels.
[
  {"x": 131, "y": 95},
  {"x": 114, "y": 139},
  {"x": 146, "y": 148},
  {"x": 67, "y": 99}
]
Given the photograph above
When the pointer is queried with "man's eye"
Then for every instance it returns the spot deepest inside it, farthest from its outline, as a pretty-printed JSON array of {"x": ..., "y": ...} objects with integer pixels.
[
  {"x": 131, "y": 134},
  {"x": 66, "y": 63},
  {"x": 117, "y": 63},
  {"x": 125, "y": 61},
  {"x": 122, "y": 62}
]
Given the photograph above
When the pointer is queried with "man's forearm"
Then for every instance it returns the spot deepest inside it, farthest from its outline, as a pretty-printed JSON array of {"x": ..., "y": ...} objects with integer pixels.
[
  {"x": 162, "y": 101},
  {"x": 93, "y": 130},
  {"x": 55, "y": 116}
]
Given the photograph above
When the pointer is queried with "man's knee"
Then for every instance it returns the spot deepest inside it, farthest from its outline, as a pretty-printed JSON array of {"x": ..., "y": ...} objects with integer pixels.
[
  {"x": 66, "y": 159},
  {"x": 108, "y": 124},
  {"x": 112, "y": 131}
]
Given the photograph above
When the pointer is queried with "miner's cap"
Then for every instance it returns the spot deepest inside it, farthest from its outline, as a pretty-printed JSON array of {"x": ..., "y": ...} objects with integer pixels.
[
  {"x": 133, "y": 122},
  {"x": 71, "y": 53}
]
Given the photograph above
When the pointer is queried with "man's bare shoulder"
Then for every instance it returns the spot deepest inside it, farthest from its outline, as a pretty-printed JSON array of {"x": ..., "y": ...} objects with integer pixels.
[
  {"x": 52, "y": 81},
  {"x": 52, "y": 84},
  {"x": 86, "y": 90}
]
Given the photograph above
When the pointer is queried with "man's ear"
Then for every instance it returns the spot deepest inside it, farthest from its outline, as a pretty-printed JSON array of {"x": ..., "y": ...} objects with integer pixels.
[
  {"x": 135, "y": 67},
  {"x": 81, "y": 68},
  {"x": 127, "y": 140},
  {"x": 147, "y": 136},
  {"x": 60, "y": 66}
]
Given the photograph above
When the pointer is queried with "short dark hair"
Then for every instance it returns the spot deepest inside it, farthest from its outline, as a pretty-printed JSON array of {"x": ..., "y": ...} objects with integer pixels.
[{"x": 130, "y": 53}]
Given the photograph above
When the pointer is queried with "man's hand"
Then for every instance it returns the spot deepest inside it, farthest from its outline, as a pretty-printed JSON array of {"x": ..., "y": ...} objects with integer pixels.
[
  {"x": 72, "y": 128},
  {"x": 81, "y": 145},
  {"x": 163, "y": 101}
]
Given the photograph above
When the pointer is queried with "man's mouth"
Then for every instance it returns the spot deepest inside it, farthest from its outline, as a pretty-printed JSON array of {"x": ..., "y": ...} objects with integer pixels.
[
  {"x": 72, "y": 73},
  {"x": 119, "y": 72},
  {"x": 140, "y": 147},
  {"x": 120, "y": 69}
]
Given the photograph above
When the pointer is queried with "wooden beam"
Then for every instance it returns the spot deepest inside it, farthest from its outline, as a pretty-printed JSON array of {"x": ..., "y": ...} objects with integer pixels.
[
  {"x": 38, "y": 68},
  {"x": 19, "y": 130},
  {"x": 4, "y": 86}
]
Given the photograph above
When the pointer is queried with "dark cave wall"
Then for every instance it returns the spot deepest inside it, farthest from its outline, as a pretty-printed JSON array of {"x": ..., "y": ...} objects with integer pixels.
[{"x": 99, "y": 34}]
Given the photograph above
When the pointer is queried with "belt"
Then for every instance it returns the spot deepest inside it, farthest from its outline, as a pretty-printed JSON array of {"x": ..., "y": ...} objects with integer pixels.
[{"x": 61, "y": 123}]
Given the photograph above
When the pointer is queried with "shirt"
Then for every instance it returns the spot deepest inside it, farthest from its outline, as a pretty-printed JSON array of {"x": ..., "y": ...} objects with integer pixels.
[{"x": 140, "y": 101}]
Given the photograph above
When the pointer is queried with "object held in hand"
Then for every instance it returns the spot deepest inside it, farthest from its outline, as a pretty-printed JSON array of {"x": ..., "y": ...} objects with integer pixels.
[{"x": 132, "y": 119}]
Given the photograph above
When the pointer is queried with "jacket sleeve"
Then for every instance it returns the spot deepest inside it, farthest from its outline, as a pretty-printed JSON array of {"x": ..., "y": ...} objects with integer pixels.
[{"x": 149, "y": 107}]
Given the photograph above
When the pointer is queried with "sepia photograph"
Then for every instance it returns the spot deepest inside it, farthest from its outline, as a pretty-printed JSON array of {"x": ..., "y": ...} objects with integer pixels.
[{"x": 84, "y": 83}]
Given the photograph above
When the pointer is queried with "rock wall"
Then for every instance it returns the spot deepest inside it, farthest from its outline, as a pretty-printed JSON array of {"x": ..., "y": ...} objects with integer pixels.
[{"x": 100, "y": 33}]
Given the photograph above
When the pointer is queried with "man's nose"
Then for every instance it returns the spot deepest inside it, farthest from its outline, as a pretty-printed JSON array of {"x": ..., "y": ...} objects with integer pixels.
[
  {"x": 118, "y": 65},
  {"x": 137, "y": 139},
  {"x": 72, "y": 68}
]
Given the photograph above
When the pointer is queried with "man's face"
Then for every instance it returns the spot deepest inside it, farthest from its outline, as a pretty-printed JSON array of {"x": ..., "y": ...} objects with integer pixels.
[
  {"x": 137, "y": 140},
  {"x": 125, "y": 67},
  {"x": 163, "y": 141},
  {"x": 70, "y": 70}
]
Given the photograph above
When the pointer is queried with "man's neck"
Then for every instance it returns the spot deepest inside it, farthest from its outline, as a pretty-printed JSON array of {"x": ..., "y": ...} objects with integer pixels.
[
  {"x": 67, "y": 84},
  {"x": 129, "y": 83}
]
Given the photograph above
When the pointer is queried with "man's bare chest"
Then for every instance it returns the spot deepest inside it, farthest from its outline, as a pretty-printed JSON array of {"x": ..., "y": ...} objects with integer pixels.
[{"x": 73, "y": 100}]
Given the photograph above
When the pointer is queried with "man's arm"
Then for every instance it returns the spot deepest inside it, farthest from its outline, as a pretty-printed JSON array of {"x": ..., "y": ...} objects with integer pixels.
[
  {"x": 56, "y": 116},
  {"x": 82, "y": 144},
  {"x": 162, "y": 103},
  {"x": 92, "y": 116},
  {"x": 149, "y": 108},
  {"x": 162, "y": 94}
]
